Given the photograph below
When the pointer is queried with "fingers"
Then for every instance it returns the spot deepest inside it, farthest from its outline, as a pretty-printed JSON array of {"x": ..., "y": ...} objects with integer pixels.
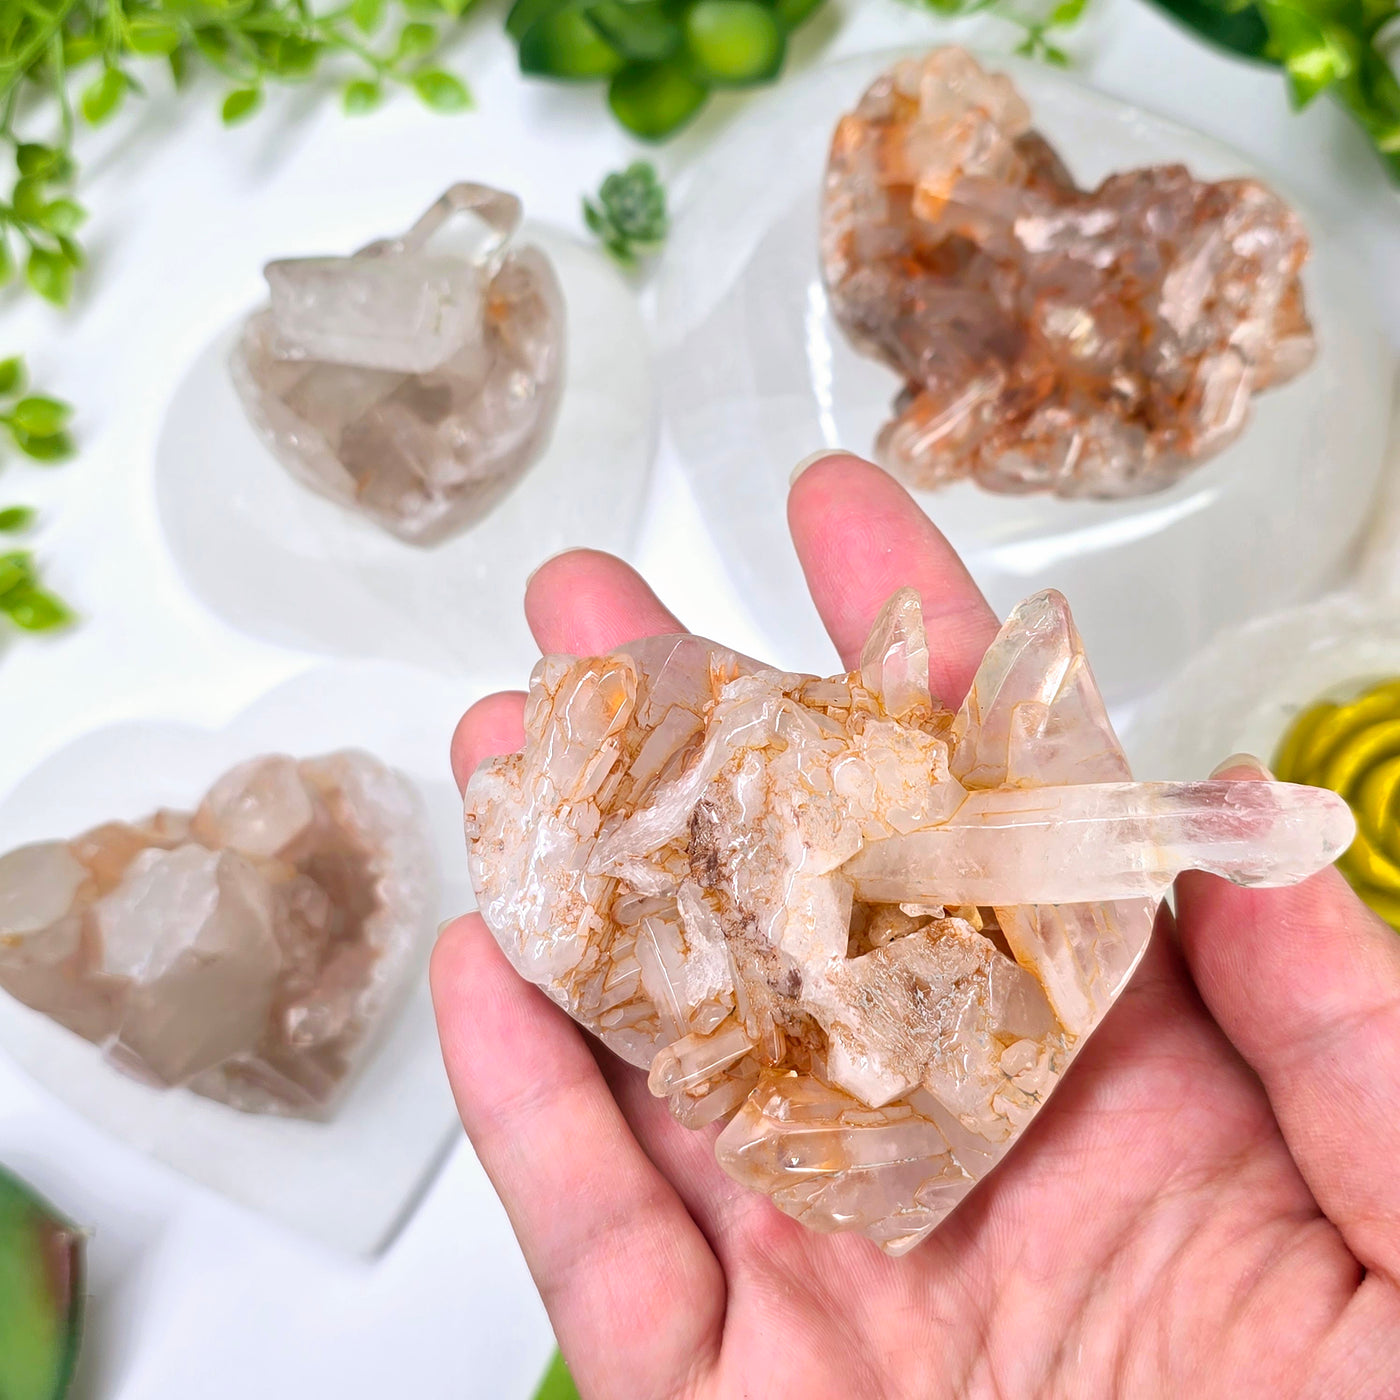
[
  {"x": 860, "y": 537},
  {"x": 611, "y": 1247},
  {"x": 586, "y": 602},
  {"x": 493, "y": 725},
  {"x": 1306, "y": 982}
]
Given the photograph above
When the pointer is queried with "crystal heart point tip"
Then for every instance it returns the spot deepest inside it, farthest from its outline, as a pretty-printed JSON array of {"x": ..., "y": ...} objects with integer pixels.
[{"x": 868, "y": 931}]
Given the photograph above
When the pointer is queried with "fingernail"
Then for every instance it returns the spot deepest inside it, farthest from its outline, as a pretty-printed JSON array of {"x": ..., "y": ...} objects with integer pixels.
[
  {"x": 812, "y": 458},
  {"x": 1243, "y": 760},
  {"x": 445, "y": 923}
]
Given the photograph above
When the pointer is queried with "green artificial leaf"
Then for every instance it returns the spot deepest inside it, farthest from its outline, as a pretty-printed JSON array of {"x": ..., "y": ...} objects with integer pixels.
[
  {"x": 734, "y": 43},
  {"x": 362, "y": 96},
  {"x": 79, "y": 49},
  {"x": 1069, "y": 11},
  {"x": 50, "y": 274},
  {"x": 39, "y": 416},
  {"x": 12, "y": 374},
  {"x": 1241, "y": 32},
  {"x": 557, "y": 1383},
  {"x": 641, "y": 29},
  {"x": 41, "y": 161},
  {"x": 524, "y": 13},
  {"x": 16, "y": 571},
  {"x": 179, "y": 62},
  {"x": 35, "y": 609},
  {"x": 62, "y": 216},
  {"x": 441, "y": 91},
  {"x": 70, "y": 252},
  {"x": 41, "y": 1294},
  {"x": 416, "y": 39},
  {"x": 295, "y": 58},
  {"x": 213, "y": 43},
  {"x": 653, "y": 100},
  {"x": 152, "y": 36},
  {"x": 792, "y": 13},
  {"x": 28, "y": 199},
  {"x": 1314, "y": 52},
  {"x": 240, "y": 104},
  {"x": 565, "y": 44},
  {"x": 13, "y": 519},
  {"x": 103, "y": 96},
  {"x": 57, "y": 447},
  {"x": 7, "y": 260},
  {"x": 367, "y": 15}
]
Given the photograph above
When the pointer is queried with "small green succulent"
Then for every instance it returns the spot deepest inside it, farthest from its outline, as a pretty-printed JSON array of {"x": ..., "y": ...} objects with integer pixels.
[
  {"x": 661, "y": 59},
  {"x": 629, "y": 214}
]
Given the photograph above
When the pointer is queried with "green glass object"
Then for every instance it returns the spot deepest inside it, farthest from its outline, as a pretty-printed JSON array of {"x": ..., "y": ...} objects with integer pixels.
[
  {"x": 41, "y": 1295},
  {"x": 1353, "y": 748},
  {"x": 662, "y": 57},
  {"x": 654, "y": 99},
  {"x": 735, "y": 43},
  {"x": 567, "y": 45}
]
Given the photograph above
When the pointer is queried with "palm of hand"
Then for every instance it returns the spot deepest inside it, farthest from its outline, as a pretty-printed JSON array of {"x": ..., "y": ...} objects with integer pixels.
[{"x": 1207, "y": 1205}]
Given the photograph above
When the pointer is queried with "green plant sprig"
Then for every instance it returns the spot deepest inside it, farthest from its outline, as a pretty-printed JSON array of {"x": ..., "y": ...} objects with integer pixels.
[
  {"x": 1337, "y": 47},
  {"x": 1039, "y": 34},
  {"x": 628, "y": 216},
  {"x": 37, "y": 426},
  {"x": 68, "y": 61}
]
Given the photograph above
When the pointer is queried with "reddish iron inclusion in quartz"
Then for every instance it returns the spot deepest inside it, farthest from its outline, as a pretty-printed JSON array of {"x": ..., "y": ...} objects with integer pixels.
[
  {"x": 868, "y": 931},
  {"x": 247, "y": 950},
  {"x": 1085, "y": 342}
]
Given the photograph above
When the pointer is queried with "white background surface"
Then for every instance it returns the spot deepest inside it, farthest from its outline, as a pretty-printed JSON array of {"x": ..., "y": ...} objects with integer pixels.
[{"x": 192, "y": 1296}]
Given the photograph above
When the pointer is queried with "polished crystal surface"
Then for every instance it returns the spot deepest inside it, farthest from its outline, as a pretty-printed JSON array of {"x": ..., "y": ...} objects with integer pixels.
[
  {"x": 418, "y": 380},
  {"x": 869, "y": 931},
  {"x": 246, "y": 950},
  {"x": 1085, "y": 342}
]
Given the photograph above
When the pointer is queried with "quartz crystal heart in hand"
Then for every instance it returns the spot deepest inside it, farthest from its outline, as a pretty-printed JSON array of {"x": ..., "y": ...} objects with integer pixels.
[
  {"x": 249, "y": 950},
  {"x": 1086, "y": 342},
  {"x": 418, "y": 380},
  {"x": 869, "y": 931}
]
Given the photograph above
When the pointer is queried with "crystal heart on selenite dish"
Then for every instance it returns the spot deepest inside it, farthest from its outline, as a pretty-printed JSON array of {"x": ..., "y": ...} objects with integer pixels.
[{"x": 250, "y": 912}]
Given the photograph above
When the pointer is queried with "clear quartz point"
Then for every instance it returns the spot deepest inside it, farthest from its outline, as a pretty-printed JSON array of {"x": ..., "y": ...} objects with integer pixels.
[
  {"x": 1069, "y": 845},
  {"x": 868, "y": 932}
]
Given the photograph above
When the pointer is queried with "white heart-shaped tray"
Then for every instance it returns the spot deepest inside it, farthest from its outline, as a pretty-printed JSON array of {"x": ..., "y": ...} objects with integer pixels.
[{"x": 349, "y": 1181}]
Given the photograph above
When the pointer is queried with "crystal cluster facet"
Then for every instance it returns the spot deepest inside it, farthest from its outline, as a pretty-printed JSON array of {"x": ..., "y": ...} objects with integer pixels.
[
  {"x": 247, "y": 950},
  {"x": 868, "y": 931},
  {"x": 418, "y": 380},
  {"x": 1085, "y": 342}
]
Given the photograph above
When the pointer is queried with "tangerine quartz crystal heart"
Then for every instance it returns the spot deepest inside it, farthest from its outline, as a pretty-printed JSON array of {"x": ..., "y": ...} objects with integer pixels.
[{"x": 869, "y": 932}]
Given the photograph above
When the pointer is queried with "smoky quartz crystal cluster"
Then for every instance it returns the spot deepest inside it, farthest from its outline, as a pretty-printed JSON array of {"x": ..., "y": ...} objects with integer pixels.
[
  {"x": 248, "y": 950},
  {"x": 867, "y": 931},
  {"x": 1082, "y": 342},
  {"x": 418, "y": 380}
]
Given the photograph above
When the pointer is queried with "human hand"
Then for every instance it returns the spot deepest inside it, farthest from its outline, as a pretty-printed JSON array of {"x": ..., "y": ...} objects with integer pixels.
[{"x": 1208, "y": 1205}]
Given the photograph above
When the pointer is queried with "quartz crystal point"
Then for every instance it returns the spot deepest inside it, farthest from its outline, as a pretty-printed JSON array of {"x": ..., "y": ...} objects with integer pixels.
[
  {"x": 869, "y": 932},
  {"x": 1085, "y": 342},
  {"x": 248, "y": 950},
  {"x": 417, "y": 380}
]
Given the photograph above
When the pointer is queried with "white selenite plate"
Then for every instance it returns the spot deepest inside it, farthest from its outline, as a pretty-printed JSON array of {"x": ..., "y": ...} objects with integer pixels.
[
  {"x": 351, "y": 1181},
  {"x": 278, "y": 561},
  {"x": 756, "y": 374}
]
